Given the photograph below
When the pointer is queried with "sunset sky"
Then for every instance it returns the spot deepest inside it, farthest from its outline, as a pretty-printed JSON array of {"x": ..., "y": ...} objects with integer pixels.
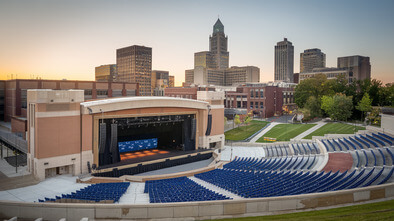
[{"x": 67, "y": 39}]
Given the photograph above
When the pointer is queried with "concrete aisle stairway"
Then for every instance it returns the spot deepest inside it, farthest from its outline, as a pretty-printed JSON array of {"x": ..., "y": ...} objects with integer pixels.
[
  {"x": 135, "y": 194},
  {"x": 215, "y": 189},
  {"x": 255, "y": 138},
  {"x": 305, "y": 133}
]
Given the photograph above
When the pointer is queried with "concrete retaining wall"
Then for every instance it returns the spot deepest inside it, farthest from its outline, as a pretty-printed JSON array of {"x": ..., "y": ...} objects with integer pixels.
[{"x": 196, "y": 210}]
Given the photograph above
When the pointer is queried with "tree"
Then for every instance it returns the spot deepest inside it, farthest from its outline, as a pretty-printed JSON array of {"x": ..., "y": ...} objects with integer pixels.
[
  {"x": 316, "y": 86},
  {"x": 386, "y": 95},
  {"x": 374, "y": 117},
  {"x": 313, "y": 106},
  {"x": 237, "y": 121},
  {"x": 364, "y": 105},
  {"x": 338, "y": 107},
  {"x": 247, "y": 120},
  {"x": 327, "y": 103},
  {"x": 340, "y": 84},
  {"x": 305, "y": 113}
]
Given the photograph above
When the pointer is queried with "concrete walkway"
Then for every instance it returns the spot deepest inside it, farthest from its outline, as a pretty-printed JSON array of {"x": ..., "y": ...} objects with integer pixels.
[
  {"x": 51, "y": 187},
  {"x": 135, "y": 194},
  {"x": 215, "y": 188},
  {"x": 255, "y": 138},
  {"x": 305, "y": 133}
]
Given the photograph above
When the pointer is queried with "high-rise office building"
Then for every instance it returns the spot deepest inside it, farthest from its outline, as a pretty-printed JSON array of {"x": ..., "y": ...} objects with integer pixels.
[
  {"x": 218, "y": 46},
  {"x": 358, "y": 66},
  {"x": 312, "y": 58},
  {"x": 171, "y": 81},
  {"x": 204, "y": 59},
  {"x": 189, "y": 76},
  {"x": 284, "y": 61},
  {"x": 246, "y": 74},
  {"x": 106, "y": 73},
  {"x": 134, "y": 64}
]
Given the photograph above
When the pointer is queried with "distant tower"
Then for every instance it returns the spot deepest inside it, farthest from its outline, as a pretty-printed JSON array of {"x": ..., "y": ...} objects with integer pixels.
[
  {"x": 284, "y": 61},
  {"x": 312, "y": 58},
  {"x": 218, "y": 46},
  {"x": 134, "y": 64},
  {"x": 359, "y": 66}
]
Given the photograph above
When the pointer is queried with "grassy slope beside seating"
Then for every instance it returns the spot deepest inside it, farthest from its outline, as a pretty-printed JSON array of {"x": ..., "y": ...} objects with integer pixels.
[
  {"x": 243, "y": 132},
  {"x": 334, "y": 128},
  {"x": 284, "y": 132},
  {"x": 371, "y": 211}
]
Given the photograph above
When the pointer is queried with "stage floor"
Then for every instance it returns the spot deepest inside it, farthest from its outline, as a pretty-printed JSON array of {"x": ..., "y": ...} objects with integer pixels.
[{"x": 149, "y": 155}]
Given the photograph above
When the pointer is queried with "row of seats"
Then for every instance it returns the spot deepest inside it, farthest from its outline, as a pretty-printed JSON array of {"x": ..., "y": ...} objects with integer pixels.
[
  {"x": 292, "y": 149},
  {"x": 94, "y": 193},
  {"x": 305, "y": 148},
  {"x": 180, "y": 189},
  {"x": 252, "y": 184},
  {"x": 358, "y": 142},
  {"x": 284, "y": 163},
  {"x": 373, "y": 157},
  {"x": 277, "y": 150}
]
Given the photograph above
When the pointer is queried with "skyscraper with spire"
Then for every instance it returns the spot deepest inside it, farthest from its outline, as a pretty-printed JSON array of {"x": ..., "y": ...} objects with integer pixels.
[
  {"x": 212, "y": 67},
  {"x": 218, "y": 46}
]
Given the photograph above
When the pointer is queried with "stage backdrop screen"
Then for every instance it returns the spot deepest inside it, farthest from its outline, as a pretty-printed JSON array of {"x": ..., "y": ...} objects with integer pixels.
[{"x": 134, "y": 145}]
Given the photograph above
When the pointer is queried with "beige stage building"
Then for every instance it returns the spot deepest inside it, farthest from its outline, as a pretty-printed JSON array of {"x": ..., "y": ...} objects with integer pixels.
[{"x": 64, "y": 131}]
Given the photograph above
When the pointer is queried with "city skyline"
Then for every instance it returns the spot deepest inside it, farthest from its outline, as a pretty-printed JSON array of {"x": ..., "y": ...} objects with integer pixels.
[{"x": 68, "y": 39}]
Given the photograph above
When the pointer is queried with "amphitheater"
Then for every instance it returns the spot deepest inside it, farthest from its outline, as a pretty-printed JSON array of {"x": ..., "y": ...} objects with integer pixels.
[{"x": 239, "y": 181}]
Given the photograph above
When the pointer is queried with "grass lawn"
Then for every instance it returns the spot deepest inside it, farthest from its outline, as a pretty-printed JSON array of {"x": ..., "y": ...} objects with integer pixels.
[
  {"x": 334, "y": 128},
  {"x": 284, "y": 132},
  {"x": 243, "y": 132},
  {"x": 371, "y": 211}
]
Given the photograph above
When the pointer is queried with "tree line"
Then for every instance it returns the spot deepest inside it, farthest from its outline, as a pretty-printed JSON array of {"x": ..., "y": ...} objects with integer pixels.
[{"x": 341, "y": 100}]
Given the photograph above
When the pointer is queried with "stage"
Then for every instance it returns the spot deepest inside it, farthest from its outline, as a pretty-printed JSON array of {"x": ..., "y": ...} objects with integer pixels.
[
  {"x": 148, "y": 160},
  {"x": 133, "y": 145}
]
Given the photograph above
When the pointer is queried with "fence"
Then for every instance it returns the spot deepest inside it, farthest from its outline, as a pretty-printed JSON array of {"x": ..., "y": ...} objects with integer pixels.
[{"x": 13, "y": 141}]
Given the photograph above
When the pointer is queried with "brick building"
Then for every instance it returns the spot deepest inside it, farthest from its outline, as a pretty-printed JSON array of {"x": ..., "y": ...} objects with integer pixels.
[
  {"x": 189, "y": 92},
  {"x": 13, "y": 95},
  {"x": 263, "y": 99}
]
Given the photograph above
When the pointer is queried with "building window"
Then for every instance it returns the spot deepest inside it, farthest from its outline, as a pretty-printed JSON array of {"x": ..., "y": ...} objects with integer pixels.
[
  {"x": 257, "y": 105},
  {"x": 102, "y": 92},
  {"x": 116, "y": 93},
  {"x": 31, "y": 119},
  {"x": 251, "y": 93},
  {"x": 88, "y": 92},
  {"x": 23, "y": 98},
  {"x": 238, "y": 104},
  {"x": 251, "y": 105},
  {"x": 261, "y": 105},
  {"x": 261, "y": 93},
  {"x": 257, "y": 93}
]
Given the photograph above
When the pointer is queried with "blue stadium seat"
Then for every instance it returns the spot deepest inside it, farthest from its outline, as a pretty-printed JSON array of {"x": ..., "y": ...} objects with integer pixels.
[
  {"x": 344, "y": 144},
  {"x": 386, "y": 136},
  {"x": 388, "y": 141},
  {"x": 180, "y": 189}
]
